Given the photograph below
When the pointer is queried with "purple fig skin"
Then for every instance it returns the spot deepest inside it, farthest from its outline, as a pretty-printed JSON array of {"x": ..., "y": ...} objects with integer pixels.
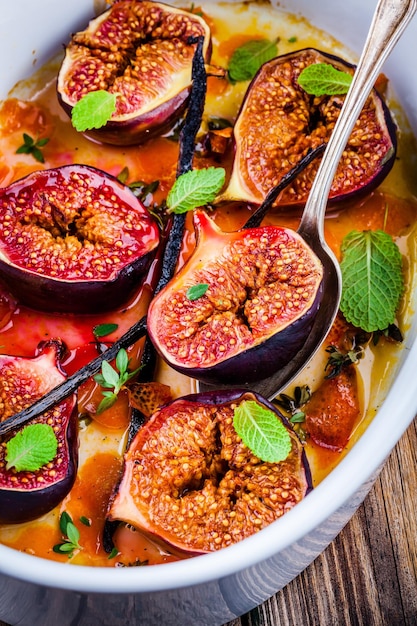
[
  {"x": 21, "y": 502},
  {"x": 80, "y": 294},
  {"x": 66, "y": 296}
]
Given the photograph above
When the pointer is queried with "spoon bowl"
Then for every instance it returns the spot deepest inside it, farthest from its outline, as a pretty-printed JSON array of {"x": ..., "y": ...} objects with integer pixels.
[{"x": 390, "y": 20}]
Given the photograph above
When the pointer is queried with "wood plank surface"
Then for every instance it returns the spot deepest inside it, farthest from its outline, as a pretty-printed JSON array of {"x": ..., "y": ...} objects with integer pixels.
[{"x": 368, "y": 575}]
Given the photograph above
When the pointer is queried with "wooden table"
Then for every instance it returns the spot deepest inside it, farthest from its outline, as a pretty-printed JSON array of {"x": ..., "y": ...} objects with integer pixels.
[{"x": 368, "y": 575}]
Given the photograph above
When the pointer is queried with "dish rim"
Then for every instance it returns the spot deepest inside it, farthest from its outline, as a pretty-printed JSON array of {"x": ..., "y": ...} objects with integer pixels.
[{"x": 369, "y": 453}]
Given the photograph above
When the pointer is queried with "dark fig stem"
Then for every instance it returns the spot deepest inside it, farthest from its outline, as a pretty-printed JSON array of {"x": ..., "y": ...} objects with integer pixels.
[
  {"x": 256, "y": 218},
  {"x": 169, "y": 262}
]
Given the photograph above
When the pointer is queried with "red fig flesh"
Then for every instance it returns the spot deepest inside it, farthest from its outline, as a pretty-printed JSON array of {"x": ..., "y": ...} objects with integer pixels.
[
  {"x": 73, "y": 239},
  {"x": 26, "y": 495},
  {"x": 142, "y": 52},
  {"x": 262, "y": 289}
]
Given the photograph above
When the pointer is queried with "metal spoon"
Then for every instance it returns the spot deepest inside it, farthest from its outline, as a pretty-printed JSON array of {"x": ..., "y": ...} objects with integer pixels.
[{"x": 390, "y": 19}]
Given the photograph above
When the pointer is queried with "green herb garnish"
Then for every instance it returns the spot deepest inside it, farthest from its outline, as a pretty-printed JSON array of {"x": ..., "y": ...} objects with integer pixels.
[
  {"x": 71, "y": 536},
  {"x": 102, "y": 330},
  {"x": 372, "y": 279},
  {"x": 262, "y": 431},
  {"x": 339, "y": 360},
  {"x": 31, "y": 448},
  {"x": 114, "y": 379},
  {"x": 322, "y": 79},
  {"x": 197, "y": 291},
  {"x": 33, "y": 147},
  {"x": 293, "y": 404},
  {"x": 93, "y": 110},
  {"x": 113, "y": 553},
  {"x": 194, "y": 189},
  {"x": 249, "y": 57},
  {"x": 85, "y": 520}
]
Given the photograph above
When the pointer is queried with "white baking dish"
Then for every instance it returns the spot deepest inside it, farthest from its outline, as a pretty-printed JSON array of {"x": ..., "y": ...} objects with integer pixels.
[{"x": 212, "y": 589}]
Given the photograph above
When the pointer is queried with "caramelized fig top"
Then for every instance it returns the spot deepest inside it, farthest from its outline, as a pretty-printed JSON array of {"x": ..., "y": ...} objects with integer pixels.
[
  {"x": 191, "y": 482},
  {"x": 142, "y": 52},
  {"x": 279, "y": 123}
]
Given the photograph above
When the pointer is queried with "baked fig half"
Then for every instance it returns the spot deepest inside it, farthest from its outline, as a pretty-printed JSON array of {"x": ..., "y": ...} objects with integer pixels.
[
  {"x": 257, "y": 290},
  {"x": 27, "y": 494},
  {"x": 73, "y": 239},
  {"x": 142, "y": 52},
  {"x": 279, "y": 122},
  {"x": 191, "y": 483}
]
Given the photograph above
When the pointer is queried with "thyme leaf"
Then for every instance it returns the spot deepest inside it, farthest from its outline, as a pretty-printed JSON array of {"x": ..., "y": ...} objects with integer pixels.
[
  {"x": 114, "y": 378},
  {"x": 33, "y": 147}
]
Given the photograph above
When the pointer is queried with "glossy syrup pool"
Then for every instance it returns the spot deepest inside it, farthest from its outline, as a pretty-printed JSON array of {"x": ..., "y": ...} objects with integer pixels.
[{"x": 32, "y": 108}]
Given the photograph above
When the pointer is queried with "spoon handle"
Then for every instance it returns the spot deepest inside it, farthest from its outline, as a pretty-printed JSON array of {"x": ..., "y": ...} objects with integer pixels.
[{"x": 390, "y": 19}]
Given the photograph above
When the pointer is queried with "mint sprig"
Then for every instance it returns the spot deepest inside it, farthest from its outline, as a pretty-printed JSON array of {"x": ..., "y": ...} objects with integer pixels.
[
  {"x": 372, "y": 279},
  {"x": 262, "y": 431},
  {"x": 195, "y": 189},
  {"x": 115, "y": 379},
  {"x": 31, "y": 448},
  {"x": 93, "y": 110},
  {"x": 322, "y": 79},
  {"x": 249, "y": 57}
]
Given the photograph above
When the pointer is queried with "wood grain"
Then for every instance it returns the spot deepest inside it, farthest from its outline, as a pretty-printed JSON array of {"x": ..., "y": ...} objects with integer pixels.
[{"x": 368, "y": 575}]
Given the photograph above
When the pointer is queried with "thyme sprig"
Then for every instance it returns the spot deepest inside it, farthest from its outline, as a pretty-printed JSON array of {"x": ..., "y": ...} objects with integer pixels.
[
  {"x": 115, "y": 379},
  {"x": 70, "y": 534},
  {"x": 338, "y": 360},
  {"x": 293, "y": 405},
  {"x": 33, "y": 147}
]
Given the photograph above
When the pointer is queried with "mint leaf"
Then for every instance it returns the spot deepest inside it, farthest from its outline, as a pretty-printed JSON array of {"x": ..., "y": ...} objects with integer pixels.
[
  {"x": 194, "y": 189},
  {"x": 31, "y": 448},
  {"x": 102, "y": 330},
  {"x": 93, "y": 110},
  {"x": 249, "y": 57},
  {"x": 196, "y": 291},
  {"x": 372, "y": 279},
  {"x": 322, "y": 79},
  {"x": 262, "y": 431}
]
